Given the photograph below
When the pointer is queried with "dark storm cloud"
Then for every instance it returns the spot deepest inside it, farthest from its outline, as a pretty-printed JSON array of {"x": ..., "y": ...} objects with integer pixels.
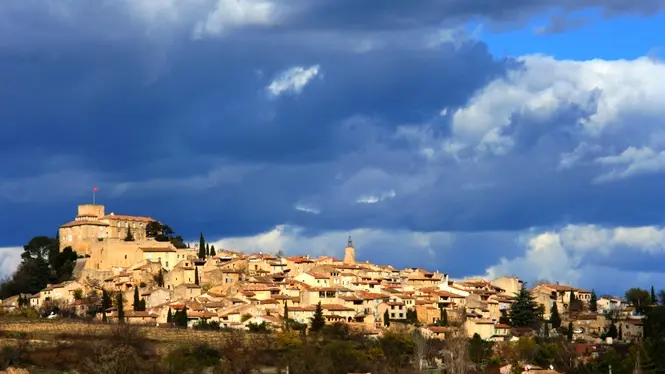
[{"x": 183, "y": 129}]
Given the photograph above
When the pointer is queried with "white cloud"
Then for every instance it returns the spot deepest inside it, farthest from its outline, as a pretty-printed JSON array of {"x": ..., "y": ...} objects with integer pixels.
[
  {"x": 307, "y": 209},
  {"x": 564, "y": 255},
  {"x": 294, "y": 241},
  {"x": 376, "y": 198},
  {"x": 631, "y": 162},
  {"x": 10, "y": 257},
  {"x": 624, "y": 91},
  {"x": 293, "y": 80},
  {"x": 230, "y": 14}
]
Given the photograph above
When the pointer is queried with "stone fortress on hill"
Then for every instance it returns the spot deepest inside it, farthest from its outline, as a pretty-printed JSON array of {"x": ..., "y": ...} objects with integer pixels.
[{"x": 235, "y": 289}]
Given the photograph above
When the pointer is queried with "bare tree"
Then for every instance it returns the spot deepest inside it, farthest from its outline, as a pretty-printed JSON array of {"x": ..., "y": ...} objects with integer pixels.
[
  {"x": 420, "y": 349},
  {"x": 456, "y": 355}
]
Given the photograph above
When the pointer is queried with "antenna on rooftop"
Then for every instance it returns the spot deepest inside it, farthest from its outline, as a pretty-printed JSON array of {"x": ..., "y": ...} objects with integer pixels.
[{"x": 94, "y": 195}]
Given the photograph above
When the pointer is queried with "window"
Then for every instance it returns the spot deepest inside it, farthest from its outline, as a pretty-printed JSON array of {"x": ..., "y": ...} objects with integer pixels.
[
  {"x": 125, "y": 257},
  {"x": 392, "y": 315},
  {"x": 167, "y": 264}
]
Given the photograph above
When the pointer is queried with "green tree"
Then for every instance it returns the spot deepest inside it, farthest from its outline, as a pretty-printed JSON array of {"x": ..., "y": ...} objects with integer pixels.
[
  {"x": 639, "y": 298},
  {"x": 286, "y": 316},
  {"x": 504, "y": 319},
  {"x": 78, "y": 294},
  {"x": 652, "y": 296},
  {"x": 164, "y": 233},
  {"x": 524, "y": 310},
  {"x": 570, "y": 331},
  {"x": 196, "y": 275},
  {"x": 444, "y": 317},
  {"x": 212, "y": 251},
  {"x": 181, "y": 318},
  {"x": 480, "y": 351},
  {"x": 159, "y": 278},
  {"x": 202, "y": 246},
  {"x": 386, "y": 318},
  {"x": 555, "y": 318},
  {"x": 207, "y": 249},
  {"x": 137, "y": 299},
  {"x": 169, "y": 317},
  {"x": 593, "y": 303},
  {"x": 119, "y": 304},
  {"x": 41, "y": 263},
  {"x": 318, "y": 322},
  {"x": 129, "y": 237},
  {"x": 620, "y": 333},
  {"x": 613, "y": 332}
]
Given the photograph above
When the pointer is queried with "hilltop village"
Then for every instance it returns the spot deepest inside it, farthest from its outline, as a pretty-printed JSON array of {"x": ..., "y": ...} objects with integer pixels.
[{"x": 156, "y": 276}]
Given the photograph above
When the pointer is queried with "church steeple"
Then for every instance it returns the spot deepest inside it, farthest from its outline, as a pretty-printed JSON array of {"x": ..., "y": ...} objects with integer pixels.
[{"x": 349, "y": 252}]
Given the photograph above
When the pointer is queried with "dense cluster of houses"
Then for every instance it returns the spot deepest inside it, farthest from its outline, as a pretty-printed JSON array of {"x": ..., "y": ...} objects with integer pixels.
[{"x": 237, "y": 289}]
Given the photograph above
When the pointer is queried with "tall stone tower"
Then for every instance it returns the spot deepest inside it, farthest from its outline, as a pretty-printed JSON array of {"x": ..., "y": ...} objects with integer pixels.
[{"x": 349, "y": 253}]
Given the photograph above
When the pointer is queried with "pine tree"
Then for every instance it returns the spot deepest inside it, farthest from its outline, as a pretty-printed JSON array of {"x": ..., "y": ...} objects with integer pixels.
[
  {"x": 169, "y": 317},
  {"x": 593, "y": 303},
  {"x": 196, "y": 275},
  {"x": 386, "y": 318},
  {"x": 318, "y": 322},
  {"x": 129, "y": 237},
  {"x": 570, "y": 331},
  {"x": 202, "y": 247},
  {"x": 654, "y": 299},
  {"x": 555, "y": 318},
  {"x": 207, "y": 249},
  {"x": 120, "y": 307},
  {"x": 137, "y": 300},
  {"x": 183, "y": 317},
  {"x": 524, "y": 310},
  {"x": 142, "y": 305},
  {"x": 620, "y": 333},
  {"x": 212, "y": 251}
]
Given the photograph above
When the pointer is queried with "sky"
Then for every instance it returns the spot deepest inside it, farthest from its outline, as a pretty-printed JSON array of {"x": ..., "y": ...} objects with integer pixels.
[{"x": 476, "y": 138}]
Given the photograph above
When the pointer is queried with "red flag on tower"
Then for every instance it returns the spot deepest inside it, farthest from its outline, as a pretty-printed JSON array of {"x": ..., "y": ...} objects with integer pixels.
[
  {"x": 94, "y": 193},
  {"x": 94, "y": 189}
]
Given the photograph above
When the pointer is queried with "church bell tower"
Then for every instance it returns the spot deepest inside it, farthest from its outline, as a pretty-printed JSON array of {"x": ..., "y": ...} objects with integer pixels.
[{"x": 349, "y": 253}]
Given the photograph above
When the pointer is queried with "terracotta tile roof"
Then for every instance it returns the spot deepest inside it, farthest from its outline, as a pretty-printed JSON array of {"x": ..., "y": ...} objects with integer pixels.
[
  {"x": 83, "y": 222},
  {"x": 156, "y": 249},
  {"x": 335, "y": 307},
  {"x": 120, "y": 217}
]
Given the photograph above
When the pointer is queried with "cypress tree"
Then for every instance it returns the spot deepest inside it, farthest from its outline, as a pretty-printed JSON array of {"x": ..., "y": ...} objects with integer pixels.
[
  {"x": 318, "y": 322},
  {"x": 386, "y": 318},
  {"x": 555, "y": 318},
  {"x": 593, "y": 302},
  {"x": 202, "y": 247},
  {"x": 570, "y": 331},
  {"x": 120, "y": 306},
  {"x": 207, "y": 249},
  {"x": 129, "y": 237},
  {"x": 212, "y": 251},
  {"x": 286, "y": 316},
  {"x": 169, "y": 317},
  {"x": 620, "y": 333},
  {"x": 196, "y": 275},
  {"x": 160, "y": 278},
  {"x": 654, "y": 299},
  {"x": 444, "y": 317},
  {"x": 137, "y": 300}
]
